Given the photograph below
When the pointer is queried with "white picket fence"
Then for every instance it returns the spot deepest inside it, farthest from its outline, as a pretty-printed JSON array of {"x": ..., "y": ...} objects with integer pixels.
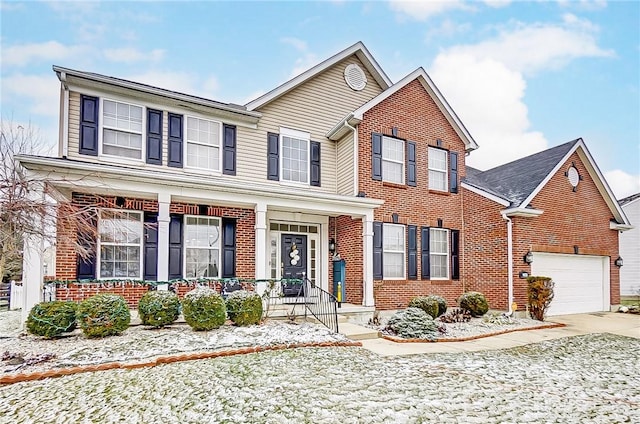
[{"x": 15, "y": 301}]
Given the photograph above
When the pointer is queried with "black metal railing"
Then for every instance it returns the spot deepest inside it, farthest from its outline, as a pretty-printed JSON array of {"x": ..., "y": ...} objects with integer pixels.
[{"x": 321, "y": 304}]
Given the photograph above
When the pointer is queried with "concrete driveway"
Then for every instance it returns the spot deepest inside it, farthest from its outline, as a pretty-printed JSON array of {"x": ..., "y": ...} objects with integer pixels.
[{"x": 601, "y": 322}]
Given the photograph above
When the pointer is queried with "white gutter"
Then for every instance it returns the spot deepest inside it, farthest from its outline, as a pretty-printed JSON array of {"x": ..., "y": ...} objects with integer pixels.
[
  {"x": 620, "y": 227},
  {"x": 509, "y": 259},
  {"x": 523, "y": 212},
  {"x": 65, "y": 115}
]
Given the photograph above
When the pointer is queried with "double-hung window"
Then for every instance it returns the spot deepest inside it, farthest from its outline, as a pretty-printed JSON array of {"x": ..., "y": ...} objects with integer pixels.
[
  {"x": 295, "y": 156},
  {"x": 202, "y": 247},
  {"x": 439, "y": 253},
  {"x": 393, "y": 160},
  {"x": 121, "y": 129},
  {"x": 437, "y": 169},
  {"x": 120, "y": 244},
  {"x": 203, "y": 144},
  {"x": 393, "y": 250}
]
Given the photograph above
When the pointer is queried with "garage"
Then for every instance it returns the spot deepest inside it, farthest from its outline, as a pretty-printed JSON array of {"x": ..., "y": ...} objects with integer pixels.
[{"x": 581, "y": 281}]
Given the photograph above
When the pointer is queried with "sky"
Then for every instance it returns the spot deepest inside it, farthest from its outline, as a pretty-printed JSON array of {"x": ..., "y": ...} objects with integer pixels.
[{"x": 523, "y": 76}]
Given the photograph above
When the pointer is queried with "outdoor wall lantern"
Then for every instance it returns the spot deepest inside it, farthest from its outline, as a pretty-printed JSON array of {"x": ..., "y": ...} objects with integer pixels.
[
  {"x": 619, "y": 262},
  {"x": 528, "y": 258},
  {"x": 332, "y": 245}
]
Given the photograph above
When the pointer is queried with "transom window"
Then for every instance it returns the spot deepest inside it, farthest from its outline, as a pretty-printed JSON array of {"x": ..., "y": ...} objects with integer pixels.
[
  {"x": 437, "y": 169},
  {"x": 202, "y": 246},
  {"x": 120, "y": 244},
  {"x": 393, "y": 160},
  {"x": 295, "y": 155},
  {"x": 393, "y": 250},
  {"x": 203, "y": 144},
  {"x": 121, "y": 129},
  {"x": 439, "y": 253}
]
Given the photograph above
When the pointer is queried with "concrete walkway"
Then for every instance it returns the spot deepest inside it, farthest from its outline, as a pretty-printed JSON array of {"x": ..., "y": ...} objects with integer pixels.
[{"x": 601, "y": 322}]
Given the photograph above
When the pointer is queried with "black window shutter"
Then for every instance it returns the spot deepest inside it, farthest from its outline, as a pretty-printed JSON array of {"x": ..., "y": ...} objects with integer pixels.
[
  {"x": 412, "y": 252},
  {"x": 150, "y": 258},
  {"x": 229, "y": 150},
  {"x": 411, "y": 163},
  {"x": 175, "y": 140},
  {"x": 175, "y": 246},
  {"x": 453, "y": 172},
  {"x": 86, "y": 267},
  {"x": 228, "y": 248},
  {"x": 154, "y": 137},
  {"x": 315, "y": 163},
  {"x": 426, "y": 264},
  {"x": 88, "y": 125},
  {"x": 376, "y": 156},
  {"x": 377, "y": 251},
  {"x": 273, "y": 156},
  {"x": 455, "y": 254}
]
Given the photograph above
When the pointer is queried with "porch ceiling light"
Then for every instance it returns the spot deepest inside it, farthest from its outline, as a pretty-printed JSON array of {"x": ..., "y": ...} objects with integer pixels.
[
  {"x": 619, "y": 262},
  {"x": 528, "y": 258}
]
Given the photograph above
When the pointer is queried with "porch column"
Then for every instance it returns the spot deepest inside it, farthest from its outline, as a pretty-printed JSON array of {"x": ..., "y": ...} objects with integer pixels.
[
  {"x": 367, "y": 259},
  {"x": 261, "y": 253},
  {"x": 32, "y": 262},
  {"x": 164, "y": 200}
]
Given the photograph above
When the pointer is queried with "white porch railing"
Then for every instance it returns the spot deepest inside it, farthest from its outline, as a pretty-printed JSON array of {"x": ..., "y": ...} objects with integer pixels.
[{"x": 15, "y": 298}]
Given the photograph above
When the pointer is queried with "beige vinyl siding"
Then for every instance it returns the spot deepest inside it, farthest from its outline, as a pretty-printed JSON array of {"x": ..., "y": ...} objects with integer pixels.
[
  {"x": 314, "y": 107},
  {"x": 74, "y": 125},
  {"x": 346, "y": 170}
]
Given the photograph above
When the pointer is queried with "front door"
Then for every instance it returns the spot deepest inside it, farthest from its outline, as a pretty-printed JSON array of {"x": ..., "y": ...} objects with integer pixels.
[{"x": 294, "y": 261}]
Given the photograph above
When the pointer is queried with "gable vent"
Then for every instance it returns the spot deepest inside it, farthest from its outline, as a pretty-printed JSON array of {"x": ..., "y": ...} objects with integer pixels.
[{"x": 355, "y": 77}]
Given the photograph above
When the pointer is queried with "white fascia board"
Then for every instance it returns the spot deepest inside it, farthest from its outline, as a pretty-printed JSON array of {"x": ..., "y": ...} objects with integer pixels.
[
  {"x": 595, "y": 174},
  {"x": 483, "y": 193},
  {"x": 340, "y": 130},
  {"x": 620, "y": 227},
  {"x": 179, "y": 184},
  {"x": 523, "y": 212},
  {"x": 358, "y": 49}
]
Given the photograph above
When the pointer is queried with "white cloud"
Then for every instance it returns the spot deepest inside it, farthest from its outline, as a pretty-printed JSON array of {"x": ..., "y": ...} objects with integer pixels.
[
  {"x": 41, "y": 93},
  {"x": 182, "y": 82},
  {"x": 497, "y": 3},
  {"x": 622, "y": 183},
  {"x": 9, "y": 7},
  {"x": 298, "y": 44},
  {"x": 304, "y": 62},
  {"x": 131, "y": 54},
  {"x": 447, "y": 28},
  {"x": 422, "y": 10},
  {"x": 49, "y": 51},
  {"x": 584, "y": 4}
]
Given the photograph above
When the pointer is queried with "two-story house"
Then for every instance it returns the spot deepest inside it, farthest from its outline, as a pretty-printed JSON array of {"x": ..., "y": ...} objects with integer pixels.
[{"x": 189, "y": 187}]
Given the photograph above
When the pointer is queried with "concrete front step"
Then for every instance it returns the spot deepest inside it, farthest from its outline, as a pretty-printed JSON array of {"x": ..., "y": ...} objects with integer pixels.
[{"x": 357, "y": 332}]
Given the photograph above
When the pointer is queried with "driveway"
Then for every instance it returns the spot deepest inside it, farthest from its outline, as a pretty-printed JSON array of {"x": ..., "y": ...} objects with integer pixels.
[{"x": 601, "y": 322}]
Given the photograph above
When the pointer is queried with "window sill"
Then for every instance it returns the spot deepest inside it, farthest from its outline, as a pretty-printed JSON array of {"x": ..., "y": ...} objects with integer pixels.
[
  {"x": 440, "y": 192},
  {"x": 394, "y": 185},
  {"x": 441, "y": 282}
]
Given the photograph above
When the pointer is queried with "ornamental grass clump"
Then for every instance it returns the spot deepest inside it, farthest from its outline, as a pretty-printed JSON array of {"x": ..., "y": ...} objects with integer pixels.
[
  {"x": 51, "y": 319},
  {"x": 539, "y": 296},
  {"x": 427, "y": 304},
  {"x": 412, "y": 323},
  {"x": 159, "y": 308},
  {"x": 244, "y": 308},
  {"x": 204, "y": 309},
  {"x": 102, "y": 315},
  {"x": 475, "y": 303}
]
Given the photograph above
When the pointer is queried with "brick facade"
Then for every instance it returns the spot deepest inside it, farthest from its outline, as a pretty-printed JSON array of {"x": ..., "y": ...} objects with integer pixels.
[{"x": 417, "y": 118}]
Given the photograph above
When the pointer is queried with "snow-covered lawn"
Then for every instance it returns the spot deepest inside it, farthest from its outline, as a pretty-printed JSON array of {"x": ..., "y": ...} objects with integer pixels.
[{"x": 582, "y": 379}]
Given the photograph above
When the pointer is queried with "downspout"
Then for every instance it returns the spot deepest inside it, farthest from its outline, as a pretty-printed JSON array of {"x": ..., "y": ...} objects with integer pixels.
[
  {"x": 65, "y": 115},
  {"x": 509, "y": 259}
]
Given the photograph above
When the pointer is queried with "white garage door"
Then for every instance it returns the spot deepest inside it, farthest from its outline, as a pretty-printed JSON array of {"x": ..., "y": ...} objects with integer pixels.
[{"x": 581, "y": 282}]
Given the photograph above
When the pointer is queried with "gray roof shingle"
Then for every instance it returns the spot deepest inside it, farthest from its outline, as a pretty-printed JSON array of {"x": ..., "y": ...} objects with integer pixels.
[{"x": 628, "y": 199}]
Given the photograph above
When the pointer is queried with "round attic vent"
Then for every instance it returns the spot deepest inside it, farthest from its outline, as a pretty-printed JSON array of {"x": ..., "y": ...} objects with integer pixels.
[
  {"x": 355, "y": 77},
  {"x": 573, "y": 176}
]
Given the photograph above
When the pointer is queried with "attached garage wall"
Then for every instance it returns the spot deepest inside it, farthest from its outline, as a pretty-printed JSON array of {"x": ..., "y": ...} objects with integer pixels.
[{"x": 581, "y": 281}]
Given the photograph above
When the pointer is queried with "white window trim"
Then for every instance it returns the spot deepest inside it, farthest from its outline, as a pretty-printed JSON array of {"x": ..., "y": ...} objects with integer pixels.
[
  {"x": 186, "y": 143},
  {"x": 184, "y": 250},
  {"x": 101, "y": 128},
  {"x": 446, "y": 254},
  {"x": 402, "y": 162},
  {"x": 99, "y": 245},
  {"x": 403, "y": 251},
  {"x": 300, "y": 135},
  {"x": 445, "y": 170}
]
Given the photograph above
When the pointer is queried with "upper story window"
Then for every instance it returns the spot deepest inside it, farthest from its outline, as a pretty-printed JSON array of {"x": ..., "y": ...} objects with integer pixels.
[
  {"x": 393, "y": 160},
  {"x": 439, "y": 253},
  {"x": 120, "y": 244},
  {"x": 437, "y": 169},
  {"x": 121, "y": 129},
  {"x": 393, "y": 249},
  {"x": 295, "y": 156},
  {"x": 203, "y": 144},
  {"x": 202, "y": 246}
]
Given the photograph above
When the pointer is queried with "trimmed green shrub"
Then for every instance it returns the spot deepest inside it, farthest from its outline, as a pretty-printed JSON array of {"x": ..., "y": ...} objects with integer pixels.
[
  {"x": 412, "y": 323},
  {"x": 475, "y": 303},
  {"x": 204, "y": 309},
  {"x": 539, "y": 296},
  {"x": 244, "y": 308},
  {"x": 102, "y": 315},
  {"x": 50, "y": 319},
  {"x": 159, "y": 308},
  {"x": 427, "y": 304},
  {"x": 442, "y": 304}
]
